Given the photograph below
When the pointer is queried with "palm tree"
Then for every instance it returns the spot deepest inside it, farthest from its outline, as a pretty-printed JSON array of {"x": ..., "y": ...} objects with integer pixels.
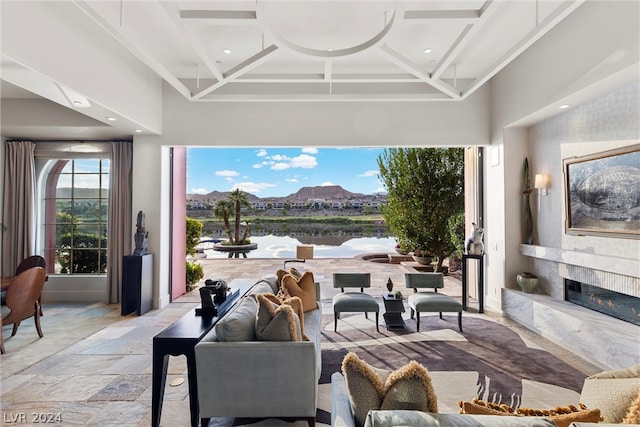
[
  {"x": 239, "y": 200},
  {"x": 223, "y": 209}
]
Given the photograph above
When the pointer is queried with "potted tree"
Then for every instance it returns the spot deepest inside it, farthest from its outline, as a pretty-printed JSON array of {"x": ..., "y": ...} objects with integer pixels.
[{"x": 238, "y": 236}]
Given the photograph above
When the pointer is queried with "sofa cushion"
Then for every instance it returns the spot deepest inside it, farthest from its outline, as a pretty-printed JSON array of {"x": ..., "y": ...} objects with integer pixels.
[
  {"x": 562, "y": 416},
  {"x": 296, "y": 304},
  {"x": 276, "y": 322},
  {"x": 303, "y": 287},
  {"x": 612, "y": 391},
  {"x": 426, "y": 419},
  {"x": 240, "y": 323},
  {"x": 409, "y": 387},
  {"x": 272, "y": 281}
]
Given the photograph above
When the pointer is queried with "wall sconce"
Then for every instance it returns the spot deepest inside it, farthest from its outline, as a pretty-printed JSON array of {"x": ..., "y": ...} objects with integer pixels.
[
  {"x": 303, "y": 253},
  {"x": 542, "y": 183}
]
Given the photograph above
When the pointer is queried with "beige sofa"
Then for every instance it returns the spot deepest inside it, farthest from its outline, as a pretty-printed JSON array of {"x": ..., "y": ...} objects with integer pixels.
[
  {"x": 239, "y": 376},
  {"x": 613, "y": 392}
]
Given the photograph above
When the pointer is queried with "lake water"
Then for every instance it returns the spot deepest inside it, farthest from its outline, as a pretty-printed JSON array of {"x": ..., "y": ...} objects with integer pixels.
[{"x": 271, "y": 246}]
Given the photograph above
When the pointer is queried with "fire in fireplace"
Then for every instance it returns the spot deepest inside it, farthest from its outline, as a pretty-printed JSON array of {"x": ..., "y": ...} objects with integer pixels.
[{"x": 615, "y": 304}]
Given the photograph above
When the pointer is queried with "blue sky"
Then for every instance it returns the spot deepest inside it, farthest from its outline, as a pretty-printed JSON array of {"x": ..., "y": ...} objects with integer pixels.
[{"x": 278, "y": 172}]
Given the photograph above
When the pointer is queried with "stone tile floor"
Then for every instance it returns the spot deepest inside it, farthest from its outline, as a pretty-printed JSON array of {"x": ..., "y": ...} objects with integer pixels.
[{"x": 93, "y": 366}]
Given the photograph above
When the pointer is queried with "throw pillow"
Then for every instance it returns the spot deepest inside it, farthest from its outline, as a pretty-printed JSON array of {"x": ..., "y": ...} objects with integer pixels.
[
  {"x": 612, "y": 395},
  {"x": 409, "y": 388},
  {"x": 296, "y": 304},
  {"x": 562, "y": 416},
  {"x": 633, "y": 413},
  {"x": 276, "y": 322},
  {"x": 239, "y": 324},
  {"x": 304, "y": 287}
]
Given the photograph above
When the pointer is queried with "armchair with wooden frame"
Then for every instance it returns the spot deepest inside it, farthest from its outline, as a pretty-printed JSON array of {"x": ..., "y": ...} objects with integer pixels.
[{"x": 23, "y": 300}]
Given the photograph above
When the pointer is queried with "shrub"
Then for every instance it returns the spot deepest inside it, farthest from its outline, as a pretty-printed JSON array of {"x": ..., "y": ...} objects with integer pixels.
[{"x": 194, "y": 273}]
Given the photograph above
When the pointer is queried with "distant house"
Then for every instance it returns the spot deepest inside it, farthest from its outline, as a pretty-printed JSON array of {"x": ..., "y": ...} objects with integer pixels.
[{"x": 196, "y": 205}]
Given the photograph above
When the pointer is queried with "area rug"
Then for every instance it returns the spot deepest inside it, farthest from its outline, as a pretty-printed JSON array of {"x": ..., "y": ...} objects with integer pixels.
[{"x": 488, "y": 360}]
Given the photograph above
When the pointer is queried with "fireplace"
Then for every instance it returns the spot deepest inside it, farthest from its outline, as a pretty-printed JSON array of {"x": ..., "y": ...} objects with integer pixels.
[{"x": 622, "y": 306}]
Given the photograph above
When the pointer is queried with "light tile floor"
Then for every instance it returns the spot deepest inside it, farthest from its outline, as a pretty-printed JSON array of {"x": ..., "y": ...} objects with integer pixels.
[{"x": 93, "y": 366}]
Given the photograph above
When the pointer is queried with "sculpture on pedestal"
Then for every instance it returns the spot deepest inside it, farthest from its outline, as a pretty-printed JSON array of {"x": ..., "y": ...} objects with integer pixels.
[{"x": 141, "y": 237}]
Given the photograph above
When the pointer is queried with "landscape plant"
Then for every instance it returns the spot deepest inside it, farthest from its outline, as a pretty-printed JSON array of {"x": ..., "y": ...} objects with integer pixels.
[
  {"x": 233, "y": 205},
  {"x": 194, "y": 271},
  {"x": 425, "y": 189}
]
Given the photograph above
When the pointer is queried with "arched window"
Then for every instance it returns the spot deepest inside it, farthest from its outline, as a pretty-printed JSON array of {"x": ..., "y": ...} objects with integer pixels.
[{"x": 76, "y": 213}]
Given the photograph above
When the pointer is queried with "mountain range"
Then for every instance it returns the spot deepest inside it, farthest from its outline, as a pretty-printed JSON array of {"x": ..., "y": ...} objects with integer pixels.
[{"x": 329, "y": 192}]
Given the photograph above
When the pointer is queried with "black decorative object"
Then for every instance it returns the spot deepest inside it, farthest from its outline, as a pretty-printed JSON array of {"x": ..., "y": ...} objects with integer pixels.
[
  {"x": 390, "y": 286},
  {"x": 212, "y": 295},
  {"x": 141, "y": 237}
]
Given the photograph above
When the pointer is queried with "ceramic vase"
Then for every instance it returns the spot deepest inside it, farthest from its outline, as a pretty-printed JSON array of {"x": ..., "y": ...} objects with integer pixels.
[{"x": 528, "y": 282}]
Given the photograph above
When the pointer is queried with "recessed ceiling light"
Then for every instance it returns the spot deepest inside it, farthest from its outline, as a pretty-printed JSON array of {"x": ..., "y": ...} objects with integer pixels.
[
  {"x": 111, "y": 119},
  {"x": 562, "y": 107},
  {"x": 226, "y": 50},
  {"x": 427, "y": 50},
  {"x": 138, "y": 130},
  {"x": 330, "y": 50}
]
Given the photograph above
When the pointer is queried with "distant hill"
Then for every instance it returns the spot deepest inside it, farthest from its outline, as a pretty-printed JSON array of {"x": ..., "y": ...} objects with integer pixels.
[
  {"x": 332, "y": 192},
  {"x": 323, "y": 192}
]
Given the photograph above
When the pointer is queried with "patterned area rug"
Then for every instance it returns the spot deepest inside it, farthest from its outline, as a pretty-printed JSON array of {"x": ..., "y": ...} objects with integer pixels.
[{"x": 488, "y": 360}]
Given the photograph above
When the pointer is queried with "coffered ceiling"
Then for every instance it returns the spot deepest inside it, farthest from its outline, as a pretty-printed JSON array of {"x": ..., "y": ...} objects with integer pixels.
[
  {"x": 302, "y": 50},
  {"x": 327, "y": 50}
]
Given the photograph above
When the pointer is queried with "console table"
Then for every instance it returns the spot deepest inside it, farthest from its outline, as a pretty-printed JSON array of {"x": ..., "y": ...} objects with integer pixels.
[
  {"x": 465, "y": 289},
  {"x": 180, "y": 338}
]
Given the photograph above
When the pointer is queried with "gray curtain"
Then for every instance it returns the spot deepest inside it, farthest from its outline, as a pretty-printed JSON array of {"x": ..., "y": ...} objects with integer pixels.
[
  {"x": 120, "y": 216},
  {"x": 18, "y": 204}
]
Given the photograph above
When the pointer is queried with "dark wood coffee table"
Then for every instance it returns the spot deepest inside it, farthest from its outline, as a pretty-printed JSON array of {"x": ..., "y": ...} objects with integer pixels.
[{"x": 180, "y": 338}]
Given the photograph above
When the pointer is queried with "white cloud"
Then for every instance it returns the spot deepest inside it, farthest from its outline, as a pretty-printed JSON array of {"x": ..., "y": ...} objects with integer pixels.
[
  {"x": 327, "y": 184},
  {"x": 257, "y": 165},
  {"x": 199, "y": 191},
  {"x": 252, "y": 187},
  {"x": 304, "y": 161},
  {"x": 280, "y": 166},
  {"x": 228, "y": 179},
  {"x": 369, "y": 173},
  {"x": 227, "y": 173},
  {"x": 261, "y": 153},
  {"x": 291, "y": 179},
  {"x": 310, "y": 150},
  {"x": 279, "y": 158}
]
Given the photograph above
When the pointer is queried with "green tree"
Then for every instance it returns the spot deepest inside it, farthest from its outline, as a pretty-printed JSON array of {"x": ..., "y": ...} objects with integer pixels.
[
  {"x": 425, "y": 189},
  {"x": 233, "y": 205},
  {"x": 194, "y": 233},
  {"x": 194, "y": 271},
  {"x": 239, "y": 200},
  {"x": 223, "y": 210}
]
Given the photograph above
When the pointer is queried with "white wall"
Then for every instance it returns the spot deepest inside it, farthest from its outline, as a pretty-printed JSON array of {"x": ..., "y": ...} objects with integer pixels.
[{"x": 605, "y": 123}]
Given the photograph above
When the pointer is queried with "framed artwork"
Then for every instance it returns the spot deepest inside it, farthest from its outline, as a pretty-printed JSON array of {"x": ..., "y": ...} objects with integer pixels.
[{"x": 602, "y": 193}]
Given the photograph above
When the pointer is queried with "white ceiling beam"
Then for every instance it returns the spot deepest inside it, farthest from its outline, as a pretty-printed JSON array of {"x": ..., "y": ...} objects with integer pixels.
[
  {"x": 462, "y": 41},
  {"x": 404, "y": 63},
  {"x": 464, "y": 15},
  {"x": 328, "y": 66},
  {"x": 222, "y": 16},
  {"x": 533, "y": 36},
  {"x": 326, "y": 97},
  {"x": 240, "y": 69},
  {"x": 174, "y": 12},
  {"x": 142, "y": 54}
]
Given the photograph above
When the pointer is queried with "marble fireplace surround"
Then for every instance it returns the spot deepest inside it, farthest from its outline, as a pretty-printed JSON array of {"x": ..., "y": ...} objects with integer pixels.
[{"x": 604, "y": 340}]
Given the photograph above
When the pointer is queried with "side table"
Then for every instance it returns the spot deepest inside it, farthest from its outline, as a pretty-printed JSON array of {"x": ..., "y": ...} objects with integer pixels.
[
  {"x": 180, "y": 338},
  {"x": 393, "y": 307}
]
